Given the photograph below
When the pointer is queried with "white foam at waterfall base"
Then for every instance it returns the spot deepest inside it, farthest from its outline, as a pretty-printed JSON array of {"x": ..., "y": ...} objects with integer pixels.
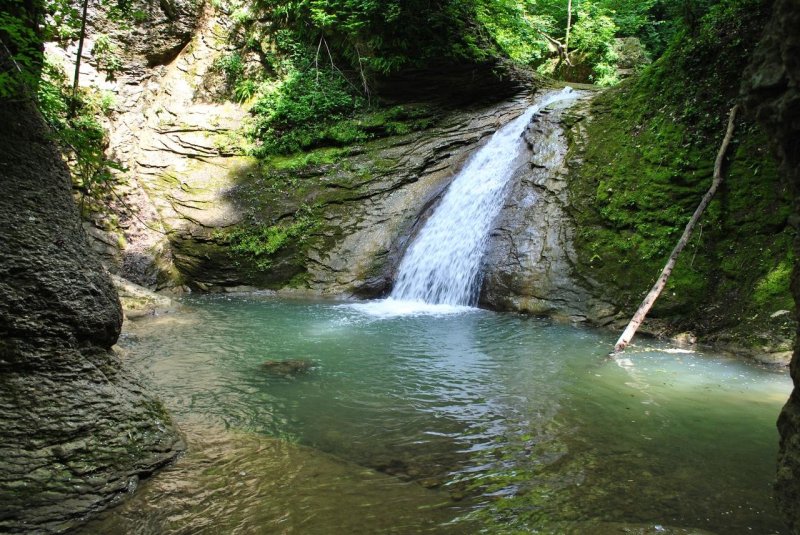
[
  {"x": 440, "y": 272},
  {"x": 390, "y": 308}
]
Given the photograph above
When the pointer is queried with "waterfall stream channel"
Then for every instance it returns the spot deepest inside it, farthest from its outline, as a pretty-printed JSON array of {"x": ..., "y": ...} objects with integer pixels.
[
  {"x": 420, "y": 413},
  {"x": 442, "y": 266}
]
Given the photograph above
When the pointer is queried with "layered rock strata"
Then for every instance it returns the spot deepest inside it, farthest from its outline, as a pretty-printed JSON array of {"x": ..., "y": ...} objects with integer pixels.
[{"x": 529, "y": 266}]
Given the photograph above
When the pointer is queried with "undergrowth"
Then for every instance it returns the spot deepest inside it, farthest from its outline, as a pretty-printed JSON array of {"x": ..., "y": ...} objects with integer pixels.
[{"x": 80, "y": 134}]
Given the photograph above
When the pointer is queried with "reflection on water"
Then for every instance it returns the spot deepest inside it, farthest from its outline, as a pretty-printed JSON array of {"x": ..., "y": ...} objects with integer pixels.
[
  {"x": 234, "y": 482},
  {"x": 445, "y": 422}
]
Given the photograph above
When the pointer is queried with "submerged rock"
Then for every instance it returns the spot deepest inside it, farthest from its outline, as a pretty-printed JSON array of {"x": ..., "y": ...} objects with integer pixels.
[
  {"x": 288, "y": 367},
  {"x": 77, "y": 428},
  {"x": 236, "y": 482}
]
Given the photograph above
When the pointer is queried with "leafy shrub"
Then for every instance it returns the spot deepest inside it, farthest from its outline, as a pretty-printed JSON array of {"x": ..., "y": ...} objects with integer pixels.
[
  {"x": 232, "y": 67},
  {"x": 245, "y": 90},
  {"x": 515, "y": 28},
  {"x": 593, "y": 36},
  {"x": 107, "y": 55},
  {"x": 20, "y": 55},
  {"x": 293, "y": 115},
  {"x": 81, "y": 136}
]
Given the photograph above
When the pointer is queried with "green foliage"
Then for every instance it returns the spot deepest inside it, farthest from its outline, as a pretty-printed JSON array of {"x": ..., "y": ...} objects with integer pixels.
[
  {"x": 80, "y": 136},
  {"x": 712, "y": 55},
  {"x": 294, "y": 114},
  {"x": 107, "y": 55},
  {"x": 241, "y": 82},
  {"x": 772, "y": 290},
  {"x": 317, "y": 111},
  {"x": 232, "y": 67},
  {"x": 630, "y": 17},
  {"x": 26, "y": 24},
  {"x": 516, "y": 29},
  {"x": 380, "y": 37},
  {"x": 322, "y": 57},
  {"x": 592, "y": 36},
  {"x": 259, "y": 243},
  {"x": 20, "y": 51},
  {"x": 245, "y": 90},
  {"x": 63, "y": 21}
]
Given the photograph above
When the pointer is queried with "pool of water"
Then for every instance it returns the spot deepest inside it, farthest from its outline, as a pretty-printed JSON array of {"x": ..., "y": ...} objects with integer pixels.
[{"x": 445, "y": 420}]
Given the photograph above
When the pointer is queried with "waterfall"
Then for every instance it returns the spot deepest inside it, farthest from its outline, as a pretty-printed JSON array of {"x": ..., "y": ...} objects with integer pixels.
[{"x": 442, "y": 265}]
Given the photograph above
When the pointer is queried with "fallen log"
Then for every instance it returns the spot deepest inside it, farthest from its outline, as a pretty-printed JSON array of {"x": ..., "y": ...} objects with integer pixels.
[{"x": 661, "y": 282}]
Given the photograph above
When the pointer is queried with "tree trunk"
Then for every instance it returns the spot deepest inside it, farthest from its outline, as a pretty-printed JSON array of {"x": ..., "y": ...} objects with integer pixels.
[
  {"x": 74, "y": 102},
  {"x": 651, "y": 297},
  {"x": 566, "y": 38}
]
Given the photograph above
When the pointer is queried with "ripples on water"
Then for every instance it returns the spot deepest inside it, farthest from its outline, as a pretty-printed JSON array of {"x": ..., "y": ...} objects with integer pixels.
[{"x": 445, "y": 420}]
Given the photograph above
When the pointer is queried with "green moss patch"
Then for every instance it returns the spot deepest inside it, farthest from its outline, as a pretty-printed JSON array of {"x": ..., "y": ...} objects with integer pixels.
[
  {"x": 641, "y": 164},
  {"x": 260, "y": 243}
]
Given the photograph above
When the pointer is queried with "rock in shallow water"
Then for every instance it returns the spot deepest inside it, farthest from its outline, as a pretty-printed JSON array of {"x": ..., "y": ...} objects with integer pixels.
[
  {"x": 138, "y": 301},
  {"x": 288, "y": 367}
]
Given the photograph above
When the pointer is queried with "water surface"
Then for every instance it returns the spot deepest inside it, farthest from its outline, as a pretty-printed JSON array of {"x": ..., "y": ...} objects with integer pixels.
[{"x": 445, "y": 420}]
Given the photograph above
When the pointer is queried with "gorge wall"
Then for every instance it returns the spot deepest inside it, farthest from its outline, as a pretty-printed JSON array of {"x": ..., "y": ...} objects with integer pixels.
[
  {"x": 77, "y": 428},
  {"x": 192, "y": 211},
  {"x": 581, "y": 238},
  {"x": 771, "y": 89}
]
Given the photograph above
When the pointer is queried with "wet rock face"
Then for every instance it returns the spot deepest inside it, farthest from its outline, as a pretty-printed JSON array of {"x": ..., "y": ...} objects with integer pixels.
[
  {"x": 366, "y": 204},
  {"x": 384, "y": 197},
  {"x": 771, "y": 89},
  {"x": 528, "y": 266},
  {"x": 77, "y": 429}
]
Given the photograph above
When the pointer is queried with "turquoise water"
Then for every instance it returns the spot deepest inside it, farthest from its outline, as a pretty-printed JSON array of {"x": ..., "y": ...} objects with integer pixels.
[{"x": 447, "y": 422}]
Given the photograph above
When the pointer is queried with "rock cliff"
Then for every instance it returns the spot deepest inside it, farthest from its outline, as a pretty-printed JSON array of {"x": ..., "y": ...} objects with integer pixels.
[
  {"x": 529, "y": 265},
  {"x": 77, "y": 429},
  {"x": 772, "y": 91},
  {"x": 189, "y": 197}
]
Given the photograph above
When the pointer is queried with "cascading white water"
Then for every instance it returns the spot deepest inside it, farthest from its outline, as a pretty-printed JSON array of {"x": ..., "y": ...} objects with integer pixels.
[{"x": 442, "y": 266}]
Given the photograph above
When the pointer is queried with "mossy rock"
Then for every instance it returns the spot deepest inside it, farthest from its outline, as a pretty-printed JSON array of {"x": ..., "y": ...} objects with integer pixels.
[{"x": 639, "y": 166}]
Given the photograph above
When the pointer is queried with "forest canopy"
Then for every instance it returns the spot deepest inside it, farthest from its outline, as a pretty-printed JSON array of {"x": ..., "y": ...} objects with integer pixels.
[{"x": 305, "y": 66}]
